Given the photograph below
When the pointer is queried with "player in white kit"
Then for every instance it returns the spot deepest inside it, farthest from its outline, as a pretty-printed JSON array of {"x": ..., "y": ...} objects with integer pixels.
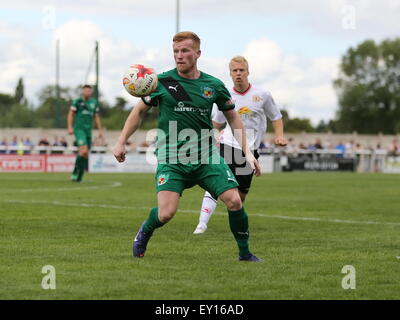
[{"x": 254, "y": 105}]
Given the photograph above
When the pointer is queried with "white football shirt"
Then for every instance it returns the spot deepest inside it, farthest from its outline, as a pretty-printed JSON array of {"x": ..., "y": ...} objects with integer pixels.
[{"x": 254, "y": 106}]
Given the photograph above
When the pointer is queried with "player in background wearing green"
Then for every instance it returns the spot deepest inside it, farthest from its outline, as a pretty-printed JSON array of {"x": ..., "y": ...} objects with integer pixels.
[
  {"x": 185, "y": 97},
  {"x": 80, "y": 123}
]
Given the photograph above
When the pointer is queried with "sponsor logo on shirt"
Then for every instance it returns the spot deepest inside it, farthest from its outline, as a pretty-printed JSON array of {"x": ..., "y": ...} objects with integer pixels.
[
  {"x": 245, "y": 112},
  {"x": 182, "y": 108},
  {"x": 208, "y": 92}
]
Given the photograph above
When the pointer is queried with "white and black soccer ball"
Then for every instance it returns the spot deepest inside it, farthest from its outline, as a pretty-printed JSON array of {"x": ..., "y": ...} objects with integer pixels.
[{"x": 140, "y": 81}]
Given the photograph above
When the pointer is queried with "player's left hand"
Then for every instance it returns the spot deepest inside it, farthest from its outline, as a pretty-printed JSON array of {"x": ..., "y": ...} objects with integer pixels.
[{"x": 280, "y": 141}]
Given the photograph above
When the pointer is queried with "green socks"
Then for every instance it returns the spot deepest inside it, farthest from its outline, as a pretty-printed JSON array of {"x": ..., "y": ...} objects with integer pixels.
[
  {"x": 76, "y": 168},
  {"x": 81, "y": 164},
  {"x": 239, "y": 223},
  {"x": 152, "y": 221}
]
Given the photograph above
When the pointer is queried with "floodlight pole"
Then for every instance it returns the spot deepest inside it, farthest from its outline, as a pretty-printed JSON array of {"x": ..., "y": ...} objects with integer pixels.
[
  {"x": 57, "y": 115},
  {"x": 96, "y": 93},
  {"x": 177, "y": 16}
]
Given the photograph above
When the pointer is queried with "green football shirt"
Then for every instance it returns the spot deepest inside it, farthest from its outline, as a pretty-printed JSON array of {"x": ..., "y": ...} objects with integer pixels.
[
  {"x": 84, "y": 112},
  {"x": 184, "y": 123}
]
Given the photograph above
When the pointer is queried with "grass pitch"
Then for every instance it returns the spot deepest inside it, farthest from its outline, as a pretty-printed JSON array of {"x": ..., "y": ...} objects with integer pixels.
[{"x": 306, "y": 226}]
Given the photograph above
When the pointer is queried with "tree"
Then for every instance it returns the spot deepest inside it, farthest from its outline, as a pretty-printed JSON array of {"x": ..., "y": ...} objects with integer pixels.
[
  {"x": 45, "y": 112},
  {"x": 18, "y": 116},
  {"x": 322, "y": 126},
  {"x": 114, "y": 118},
  {"x": 19, "y": 91},
  {"x": 294, "y": 125},
  {"x": 368, "y": 88},
  {"x": 6, "y": 101}
]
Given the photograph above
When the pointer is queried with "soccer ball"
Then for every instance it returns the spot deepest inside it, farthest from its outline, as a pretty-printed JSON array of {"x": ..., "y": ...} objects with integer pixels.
[{"x": 139, "y": 80}]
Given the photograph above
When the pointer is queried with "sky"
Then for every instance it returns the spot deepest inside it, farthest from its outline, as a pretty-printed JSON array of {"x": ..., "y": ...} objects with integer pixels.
[{"x": 293, "y": 47}]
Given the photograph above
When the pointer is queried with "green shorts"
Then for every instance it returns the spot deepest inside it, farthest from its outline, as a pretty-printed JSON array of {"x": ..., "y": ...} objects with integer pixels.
[
  {"x": 214, "y": 178},
  {"x": 83, "y": 137}
]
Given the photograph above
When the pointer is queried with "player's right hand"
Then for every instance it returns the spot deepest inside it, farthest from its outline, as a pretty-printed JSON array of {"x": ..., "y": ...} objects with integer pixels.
[
  {"x": 119, "y": 152},
  {"x": 70, "y": 131}
]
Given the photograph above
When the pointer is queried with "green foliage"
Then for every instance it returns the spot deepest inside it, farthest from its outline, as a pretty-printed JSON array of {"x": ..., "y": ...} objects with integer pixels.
[
  {"x": 293, "y": 125},
  {"x": 19, "y": 91},
  {"x": 14, "y": 110},
  {"x": 17, "y": 116},
  {"x": 46, "y": 112},
  {"x": 6, "y": 102},
  {"x": 114, "y": 118},
  {"x": 368, "y": 88}
]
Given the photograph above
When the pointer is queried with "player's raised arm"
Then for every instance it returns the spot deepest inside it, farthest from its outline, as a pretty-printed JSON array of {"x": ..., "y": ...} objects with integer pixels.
[
  {"x": 132, "y": 123},
  {"x": 239, "y": 133}
]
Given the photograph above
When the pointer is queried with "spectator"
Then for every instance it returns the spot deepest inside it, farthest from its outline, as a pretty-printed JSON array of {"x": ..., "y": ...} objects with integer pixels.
[
  {"x": 350, "y": 146},
  {"x": 394, "y": 148},
  {"x": 27, "y": 142},
  {"x": 56, "y": 143},
  {"x": 302, "y": 146},
  {"x": 379, "y": 148},
  {"x": 44, "y": 142},
  {"x": 358, "y": 148},
  {"x": 20, "y": 149},
  {"x": 13, "y": 146},
  {"x": 3, "y": 146},
  {"x": 318, "y": 144},
  {"x": 342, "y": 148},
  {"x": 63, "y": 142},
  {"x": 14, "y": 141}
]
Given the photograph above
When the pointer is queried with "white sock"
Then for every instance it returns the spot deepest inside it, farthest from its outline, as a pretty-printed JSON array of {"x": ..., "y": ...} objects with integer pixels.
[{"x": 207, "y": 208}]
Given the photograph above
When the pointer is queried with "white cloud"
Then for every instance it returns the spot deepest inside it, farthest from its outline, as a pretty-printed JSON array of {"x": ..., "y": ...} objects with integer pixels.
[
  {"x": 378, "y": 18},
  {"x": 302, "y": 86}
]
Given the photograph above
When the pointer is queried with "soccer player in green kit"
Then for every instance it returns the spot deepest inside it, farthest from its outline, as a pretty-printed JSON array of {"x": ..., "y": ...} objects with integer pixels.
[
  {"x": 185, "y": 97},
  {"x": 80, "y": 123}
]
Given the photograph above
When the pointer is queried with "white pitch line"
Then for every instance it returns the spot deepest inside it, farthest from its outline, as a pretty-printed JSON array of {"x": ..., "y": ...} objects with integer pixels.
[
  {"x": 108, "y": 206},
  {"x": 112, "y": 185}
]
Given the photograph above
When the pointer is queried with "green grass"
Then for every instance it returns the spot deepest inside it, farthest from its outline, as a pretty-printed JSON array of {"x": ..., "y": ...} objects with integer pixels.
[{"x": 43, "y": 223}]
